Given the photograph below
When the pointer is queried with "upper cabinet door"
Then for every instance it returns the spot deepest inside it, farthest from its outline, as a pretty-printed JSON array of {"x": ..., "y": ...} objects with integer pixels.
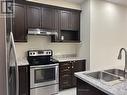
[
  {"x": 19, "y": 27},
  {"x": 70, "y": 20},
  {"x": 48, "y": 18},
  {"x": 75, "y": 21},
  {"x": 65, "y": 20},
  {"x": 34, "y": 17}
]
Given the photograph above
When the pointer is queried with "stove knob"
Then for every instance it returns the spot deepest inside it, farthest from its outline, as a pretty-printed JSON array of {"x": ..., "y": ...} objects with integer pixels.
[
  {"x": 46, "y": 52},
  {"x": 30, "y": 53}
]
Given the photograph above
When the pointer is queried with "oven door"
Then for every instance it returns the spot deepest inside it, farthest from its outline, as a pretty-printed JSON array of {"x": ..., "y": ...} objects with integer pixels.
[{"x": 44, "y": 75}]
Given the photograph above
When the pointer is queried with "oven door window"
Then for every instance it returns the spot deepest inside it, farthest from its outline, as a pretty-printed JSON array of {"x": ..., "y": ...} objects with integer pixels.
[{"x": 44, "y": 75}]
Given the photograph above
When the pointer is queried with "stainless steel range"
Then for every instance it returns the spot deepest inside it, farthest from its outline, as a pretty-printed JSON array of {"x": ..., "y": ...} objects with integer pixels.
[{"x": 44, "y": 73}]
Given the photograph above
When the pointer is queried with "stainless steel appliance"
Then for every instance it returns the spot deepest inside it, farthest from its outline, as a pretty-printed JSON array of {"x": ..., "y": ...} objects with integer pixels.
[
  {"x": 12, "y": 80},
  {"x": 8, "y": 61},
  {"x": 42, "y": 32},
  {"x": 12, "y": 68},
  {"x": 44, "y": 73}
]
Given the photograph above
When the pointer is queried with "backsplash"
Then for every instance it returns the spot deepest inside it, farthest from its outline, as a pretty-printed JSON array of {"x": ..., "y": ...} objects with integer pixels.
[
  {"x": 44, "y": 42},
  {"x": 65, "y": 55}
]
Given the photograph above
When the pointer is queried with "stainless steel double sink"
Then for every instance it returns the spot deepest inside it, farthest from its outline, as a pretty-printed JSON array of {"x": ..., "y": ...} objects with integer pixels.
[{"x": 109, "y": 77}]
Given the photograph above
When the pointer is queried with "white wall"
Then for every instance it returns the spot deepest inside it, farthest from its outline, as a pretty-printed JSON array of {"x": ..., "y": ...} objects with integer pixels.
[
  {"x": 108, "y": 33},
  {"x": 60, "y": 3},
  {"x": 84, "y": 48},
  {"x": 43, "y": 42}
]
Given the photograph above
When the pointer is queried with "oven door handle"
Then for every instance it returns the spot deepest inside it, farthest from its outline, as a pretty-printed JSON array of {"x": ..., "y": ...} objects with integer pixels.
[{"x": 44, "y": 66}]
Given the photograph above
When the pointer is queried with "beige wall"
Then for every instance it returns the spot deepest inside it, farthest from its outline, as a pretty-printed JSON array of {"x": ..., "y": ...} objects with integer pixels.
[
  {"x": 43, "y": 42},
  {"x": 60, "y": 3},
  {"x": 108, "y": 34}
]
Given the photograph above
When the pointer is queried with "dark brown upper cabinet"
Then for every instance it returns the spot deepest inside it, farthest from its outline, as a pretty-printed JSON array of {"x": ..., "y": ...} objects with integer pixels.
[
  {"x": 65, "y": 22},
  {"x": 69, "y": 26},
  {"x": 19, "y": 26},
  {"x": 48, "y": 18},
  {"x": 75, "y": 21},
  {"x": 69, "y": 20},
  {"x": 33, "y": 17}
]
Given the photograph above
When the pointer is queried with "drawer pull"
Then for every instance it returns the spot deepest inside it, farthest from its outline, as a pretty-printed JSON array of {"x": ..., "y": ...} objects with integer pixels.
[
  {"x": 65, "y": 75},
  {"x": 65, "y": 70},
  {"x": 65, "y": 82}
]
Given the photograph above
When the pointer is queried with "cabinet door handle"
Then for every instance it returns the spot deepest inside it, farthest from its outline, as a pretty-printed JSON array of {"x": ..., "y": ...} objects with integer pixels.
[
  {"x": 65, "y": 82},
  {"x": 65, "y": 75}
]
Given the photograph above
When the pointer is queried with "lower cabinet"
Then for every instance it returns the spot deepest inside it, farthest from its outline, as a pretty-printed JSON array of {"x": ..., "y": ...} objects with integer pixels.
[
  {"x": 23, "y": 80},
  {"x": 67, "y": 70},
  {"x": 84, "y": 88}
]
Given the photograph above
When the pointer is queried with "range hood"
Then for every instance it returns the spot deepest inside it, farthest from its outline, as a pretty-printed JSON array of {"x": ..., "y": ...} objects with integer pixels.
[{"x": 42, "y": 32}]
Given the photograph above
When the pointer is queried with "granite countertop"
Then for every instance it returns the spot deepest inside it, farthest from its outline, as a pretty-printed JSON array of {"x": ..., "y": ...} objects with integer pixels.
[
  {"x": 117, "y": 89},
  {"x": 22, "y": 62},
  {"x": 60, "y": 59}
]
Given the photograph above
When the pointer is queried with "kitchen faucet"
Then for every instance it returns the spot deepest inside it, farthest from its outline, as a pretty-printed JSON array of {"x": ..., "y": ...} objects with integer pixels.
[{"x": 120, "y": 56}]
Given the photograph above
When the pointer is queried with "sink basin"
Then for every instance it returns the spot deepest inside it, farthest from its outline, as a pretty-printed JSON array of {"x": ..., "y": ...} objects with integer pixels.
[
  {"x": 103, "y": 76},
  {"x": 109, "y": 77},
  {"x": 117, "y": 72}
]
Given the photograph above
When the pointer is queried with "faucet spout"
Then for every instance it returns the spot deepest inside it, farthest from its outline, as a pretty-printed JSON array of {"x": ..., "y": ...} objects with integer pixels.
[{"x": 120, "y": 56}]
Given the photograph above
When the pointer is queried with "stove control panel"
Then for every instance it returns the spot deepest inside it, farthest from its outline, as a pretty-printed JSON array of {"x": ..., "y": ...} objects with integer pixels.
[{"x": 40, "y": 53}]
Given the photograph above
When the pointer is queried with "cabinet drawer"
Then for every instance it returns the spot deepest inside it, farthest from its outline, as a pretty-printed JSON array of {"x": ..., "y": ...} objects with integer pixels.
[
  {"x": 65, "y": 67},
  {"x": 65, "y": 63},
  {"x": 65, "y": 81},
  {"x": 65, "y": 75},
  {"x": 65, "y": 70}
]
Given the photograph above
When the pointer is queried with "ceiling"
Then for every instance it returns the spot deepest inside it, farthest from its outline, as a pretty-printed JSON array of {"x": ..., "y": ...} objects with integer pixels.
[{"x": 122, "y": 2}]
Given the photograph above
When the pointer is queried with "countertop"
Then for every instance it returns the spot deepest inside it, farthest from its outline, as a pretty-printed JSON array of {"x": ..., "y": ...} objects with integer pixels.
[
  {"x": 69, "y": 59},
  {"x": 117, "y": 89},
  {"x": 22, "y": 62}
]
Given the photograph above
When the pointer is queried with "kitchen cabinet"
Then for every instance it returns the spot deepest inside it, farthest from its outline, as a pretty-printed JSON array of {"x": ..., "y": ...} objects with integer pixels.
[
  {"x": 77, "y": 66},
  {"x": 24, "y": 80},
  {"x": 19, "y": 23},
  {"x": 66, "y": 22},
  {"x": 49, "y": 18},
  {"x": 41, "y": 17},
  {"x": 69, "y": 20},
  {"x": 67, "y": 70},
  {"x": 69, "y": 26},
  {"x": 84, "y": 88},
  {"x": 75, "y": 21},
  {"x": 33, "y": 17}
]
